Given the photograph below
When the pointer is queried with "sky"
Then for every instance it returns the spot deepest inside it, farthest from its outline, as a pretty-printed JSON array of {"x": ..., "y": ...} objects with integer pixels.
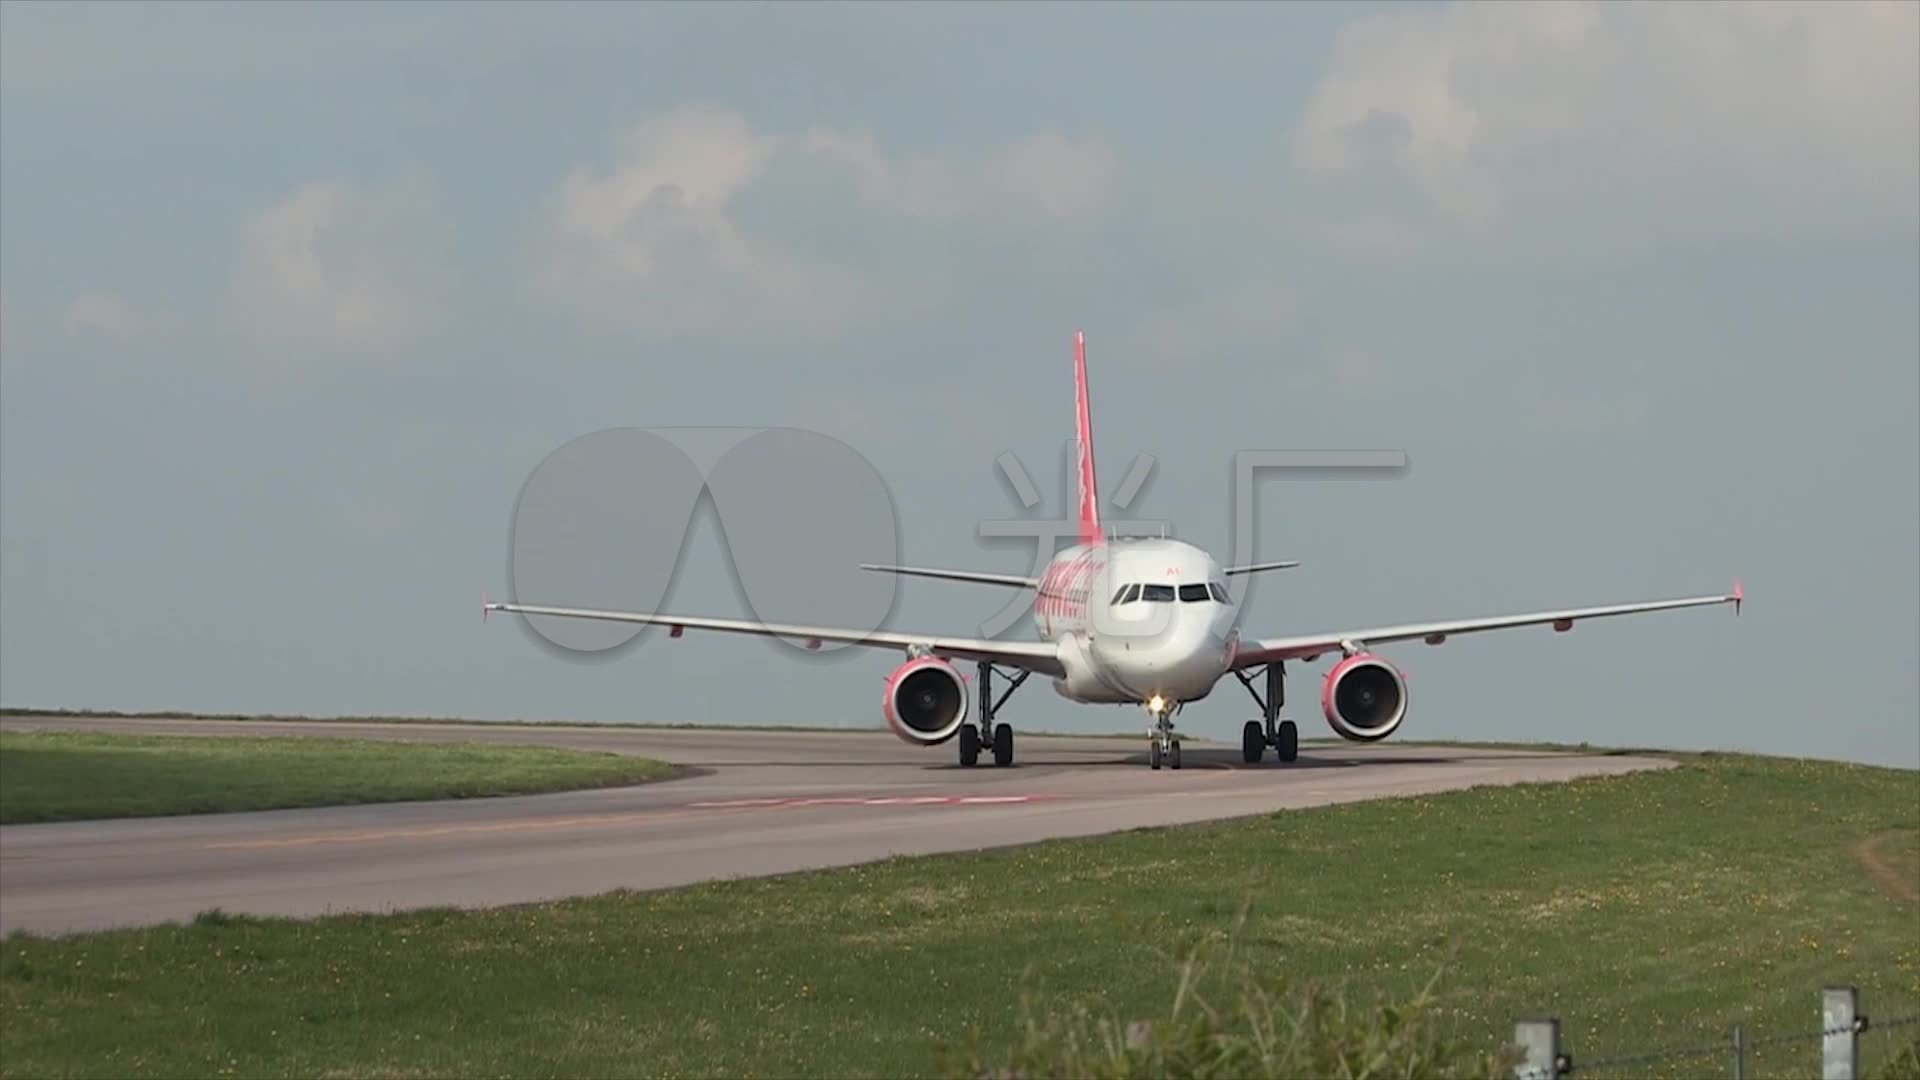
[{"x": 298, "y": 300}]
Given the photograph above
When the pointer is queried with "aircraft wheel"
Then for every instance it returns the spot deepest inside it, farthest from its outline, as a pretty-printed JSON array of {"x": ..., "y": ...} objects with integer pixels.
[
  {"x": 1173, "y": 754},
  {"x": 1153, "y": 754},
  {"x": 1289, "y": 739},
  {"x": 1253, "y": 743},
  {"x": 969, "y": 745},
  {"x": 1003, "y": 745}
]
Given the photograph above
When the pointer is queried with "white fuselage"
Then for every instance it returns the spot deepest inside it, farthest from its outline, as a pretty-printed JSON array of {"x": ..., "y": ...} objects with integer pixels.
[{"x": 1137, "y": 619}]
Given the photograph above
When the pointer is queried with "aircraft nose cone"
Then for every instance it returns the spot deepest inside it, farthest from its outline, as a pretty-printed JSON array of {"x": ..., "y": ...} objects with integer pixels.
[{"x": 1178, "y": 656}]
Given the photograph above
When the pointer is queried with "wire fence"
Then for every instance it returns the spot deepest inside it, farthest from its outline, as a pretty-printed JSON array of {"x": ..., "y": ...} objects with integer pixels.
[{"x": 1839, "y": 1039}]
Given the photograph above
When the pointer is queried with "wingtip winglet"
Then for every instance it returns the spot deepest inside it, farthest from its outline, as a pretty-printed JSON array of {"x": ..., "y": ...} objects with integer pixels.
[
  {"x": 1739, "y": 595},
  {"x": 484, "y": 606}
]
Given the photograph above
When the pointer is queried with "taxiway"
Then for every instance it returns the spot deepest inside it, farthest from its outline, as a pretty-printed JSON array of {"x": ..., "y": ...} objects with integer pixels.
[{"x": 748, "y": 803}]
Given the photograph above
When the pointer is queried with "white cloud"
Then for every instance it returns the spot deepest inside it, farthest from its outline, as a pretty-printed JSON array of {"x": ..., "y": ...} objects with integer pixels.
[
  {"x": 1234, "y": 314},
  {"x": 332, "y": 268},
  {"x": 658, "y": 243},
  {"x": 654, "y": 244},
  {"x": 1745, "y": 113},
  {"x": 1368, "y": 237},
  {"x": 1065, "y": 177},
  {"x": 1049, "y": 173},
  {"x": 107, "y": 315}
]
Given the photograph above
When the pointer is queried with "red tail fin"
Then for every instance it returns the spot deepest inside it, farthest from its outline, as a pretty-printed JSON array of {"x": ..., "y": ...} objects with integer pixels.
[{"x": 1083, "y": 445}]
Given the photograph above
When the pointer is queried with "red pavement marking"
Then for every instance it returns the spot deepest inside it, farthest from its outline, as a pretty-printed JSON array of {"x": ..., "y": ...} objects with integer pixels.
[
  {"x": 593, "y": 820},
  {"x": 797, "y": 802}
]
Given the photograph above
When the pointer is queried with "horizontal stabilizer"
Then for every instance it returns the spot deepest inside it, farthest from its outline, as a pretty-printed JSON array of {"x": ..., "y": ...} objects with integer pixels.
[
  {"x": 1254, "y": 568},
  {"x": 1010, "y": 580}
]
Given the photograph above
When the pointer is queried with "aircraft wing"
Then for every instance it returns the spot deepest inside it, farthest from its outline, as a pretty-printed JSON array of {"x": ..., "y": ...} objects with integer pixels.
[
  {"x": 1011, "y": 580},
  {"x": 1040, "y": 656},
  {"x": 1268, "y": 650}
]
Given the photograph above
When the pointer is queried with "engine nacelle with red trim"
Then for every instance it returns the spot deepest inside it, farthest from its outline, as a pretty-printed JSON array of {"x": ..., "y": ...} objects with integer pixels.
[
  {"x": 1364, "y": 698},
  {"x": 926, "y": 701}
]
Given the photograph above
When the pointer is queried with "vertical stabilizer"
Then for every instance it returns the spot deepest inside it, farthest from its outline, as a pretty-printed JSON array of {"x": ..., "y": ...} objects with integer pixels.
[{"x": 1089, "y": 492}]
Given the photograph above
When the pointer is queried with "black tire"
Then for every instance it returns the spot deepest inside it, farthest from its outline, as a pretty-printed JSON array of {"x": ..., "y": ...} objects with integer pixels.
[
  {"x": 1289, "y": 739},
  {"x": 1173, "y": 755},
  {"x": 1003, "y": 745},
  {"x": 969, "y": 745},
  {"x": 1153, "y": 754},
  {"x": 1253, "y": 743}
]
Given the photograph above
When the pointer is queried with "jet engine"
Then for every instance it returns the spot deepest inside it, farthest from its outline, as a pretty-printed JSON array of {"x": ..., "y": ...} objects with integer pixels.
[
  {"x": 1364, "y": 698},
  {"x": 926, "y": 701}
]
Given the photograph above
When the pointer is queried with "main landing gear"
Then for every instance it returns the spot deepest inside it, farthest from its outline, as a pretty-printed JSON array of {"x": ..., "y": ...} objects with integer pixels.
[
  {"x": 990, "y": 736},
  {"x": 1280, "y": 734},
  {"x": 1162, "y": 747}
]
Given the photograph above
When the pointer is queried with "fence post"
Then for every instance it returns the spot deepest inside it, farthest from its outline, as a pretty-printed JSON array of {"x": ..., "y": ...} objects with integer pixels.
[
  {"x": 1840, "y": 1046},
  {"x": 1539, "y": 1039},
  {"x": 1739, "y": 1052}
]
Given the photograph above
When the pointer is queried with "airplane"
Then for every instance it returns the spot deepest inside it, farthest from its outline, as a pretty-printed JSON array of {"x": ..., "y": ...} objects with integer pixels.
[{"x": 1128, "y": 621}]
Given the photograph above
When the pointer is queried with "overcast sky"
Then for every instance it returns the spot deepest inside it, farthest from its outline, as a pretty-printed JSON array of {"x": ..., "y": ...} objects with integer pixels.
[{"x": 294, "y": 299}]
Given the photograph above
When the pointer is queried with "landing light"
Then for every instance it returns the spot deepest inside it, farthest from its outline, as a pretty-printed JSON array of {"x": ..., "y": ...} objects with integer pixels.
[{"x": 1156, "y": 704}]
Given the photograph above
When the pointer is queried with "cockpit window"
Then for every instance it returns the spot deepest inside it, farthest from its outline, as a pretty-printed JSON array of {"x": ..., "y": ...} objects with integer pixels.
[
  {"x": 1190, "y": 594},
  {"x": 1133, "y": 593},
  {"x": 1117, "y": 594},
  {"x": 1219, "y": 592},
  {"x": 1159, "y": 594}
]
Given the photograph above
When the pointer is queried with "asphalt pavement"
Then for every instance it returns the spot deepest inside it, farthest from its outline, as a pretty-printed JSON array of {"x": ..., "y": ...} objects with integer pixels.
[{"x": 748, "y": 803}]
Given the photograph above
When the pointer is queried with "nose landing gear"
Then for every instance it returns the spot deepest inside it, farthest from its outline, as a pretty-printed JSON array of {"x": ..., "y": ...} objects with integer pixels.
[{"x": 1163, "y": 746}]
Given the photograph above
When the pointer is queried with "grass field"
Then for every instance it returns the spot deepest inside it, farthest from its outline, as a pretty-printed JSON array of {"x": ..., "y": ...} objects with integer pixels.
[
  {"x": 1648, "y": 910},
  {"x": 61, "y": 776}
]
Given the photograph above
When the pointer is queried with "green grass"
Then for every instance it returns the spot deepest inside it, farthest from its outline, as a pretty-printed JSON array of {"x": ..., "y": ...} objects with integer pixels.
[
  {"x": 1894, "y": 857},
  {"x": 63, "y": 776},
  {"x": 1647, "y": 910}
]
